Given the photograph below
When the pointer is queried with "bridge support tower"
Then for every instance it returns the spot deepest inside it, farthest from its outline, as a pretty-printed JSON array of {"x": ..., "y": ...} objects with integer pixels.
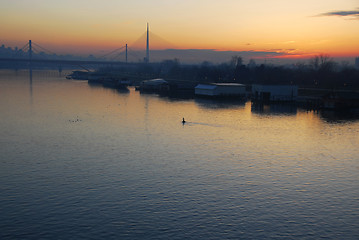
[
  {"x": 148, "y": 46},
  {"x": 30, "y": 59}
]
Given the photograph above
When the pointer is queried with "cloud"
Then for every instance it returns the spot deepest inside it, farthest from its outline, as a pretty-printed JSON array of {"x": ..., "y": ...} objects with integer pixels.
[{"x": 354, "y": 14}]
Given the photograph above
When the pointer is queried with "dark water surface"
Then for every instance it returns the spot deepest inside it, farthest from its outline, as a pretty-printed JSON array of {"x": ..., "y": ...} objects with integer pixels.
[{"x": 80, "y": 161}]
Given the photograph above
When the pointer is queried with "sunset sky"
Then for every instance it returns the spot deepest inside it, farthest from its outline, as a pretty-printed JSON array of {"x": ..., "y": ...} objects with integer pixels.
[{"x": 295, "y": 28}]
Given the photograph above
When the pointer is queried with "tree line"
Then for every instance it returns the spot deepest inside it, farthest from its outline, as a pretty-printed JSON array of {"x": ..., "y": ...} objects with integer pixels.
[{"x": 319, "y": 72}]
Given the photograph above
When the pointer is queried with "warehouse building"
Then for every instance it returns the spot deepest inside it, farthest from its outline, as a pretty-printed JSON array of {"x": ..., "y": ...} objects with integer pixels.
[
  {"x": 221, "y": 90},
  {"x": 274, "y": 93}
]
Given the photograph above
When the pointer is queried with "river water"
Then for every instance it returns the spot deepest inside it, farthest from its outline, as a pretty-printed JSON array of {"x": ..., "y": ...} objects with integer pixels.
[{"x": 86, "y": 162}]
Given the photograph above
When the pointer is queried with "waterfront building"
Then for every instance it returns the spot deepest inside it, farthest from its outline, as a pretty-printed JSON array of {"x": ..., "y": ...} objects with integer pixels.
[
  {"x": 281, "y": 93},
  {"x": 221, "y": 90},
  {"x": 341, "y": 100},
  {"x": 154, "y": 85}
]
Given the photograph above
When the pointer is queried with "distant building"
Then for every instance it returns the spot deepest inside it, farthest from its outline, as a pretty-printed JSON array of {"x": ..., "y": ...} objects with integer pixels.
[
  {"x": 281, "y": 93},
  {"x": 357, "y": 62},
  {"x": 154, "y": 85},
  {"x": 341, "y": 100},
  {"x": 221, "y": 90}
]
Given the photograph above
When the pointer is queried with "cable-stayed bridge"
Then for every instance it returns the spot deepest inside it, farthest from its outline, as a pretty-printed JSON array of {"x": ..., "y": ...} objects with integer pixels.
[{"x": 34, "y": 53}]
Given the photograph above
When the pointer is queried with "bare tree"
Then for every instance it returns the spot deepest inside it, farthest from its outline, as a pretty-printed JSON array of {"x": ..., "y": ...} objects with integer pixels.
[
  {"x": 322, "y": 62},
  {"x": 323, "y": 67},
  {"x": 236, "y": 61}
]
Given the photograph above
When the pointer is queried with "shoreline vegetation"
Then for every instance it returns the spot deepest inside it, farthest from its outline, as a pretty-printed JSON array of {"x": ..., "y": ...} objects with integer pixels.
[
  {"x": 321, "y": 82},
  {"x": 320, "y": 73}
]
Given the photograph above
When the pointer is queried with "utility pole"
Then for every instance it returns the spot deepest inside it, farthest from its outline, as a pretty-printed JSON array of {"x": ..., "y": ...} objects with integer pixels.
[{"x": 126, "y": 52}]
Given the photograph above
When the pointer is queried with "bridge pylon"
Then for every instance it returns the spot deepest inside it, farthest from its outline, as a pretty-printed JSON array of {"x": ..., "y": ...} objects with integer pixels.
[
  {"x": 147, "y": 60},
  {"x": 30, "y": 50},
  {"x": 30, "y": 58}
]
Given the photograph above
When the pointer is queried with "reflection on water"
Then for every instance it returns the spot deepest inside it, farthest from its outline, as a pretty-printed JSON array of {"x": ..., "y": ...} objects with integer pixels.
[
  {"x": 30, "y": 83},
  {"x": 275, "y": 108},
  {"x": 211, "y": 103},
  {"x": 91, "y": 162},
  {"x": 340, "y": 116}
]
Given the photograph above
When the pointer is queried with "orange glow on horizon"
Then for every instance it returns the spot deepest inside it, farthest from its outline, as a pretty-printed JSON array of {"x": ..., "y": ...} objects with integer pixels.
[{"x": 270, "y": 29}]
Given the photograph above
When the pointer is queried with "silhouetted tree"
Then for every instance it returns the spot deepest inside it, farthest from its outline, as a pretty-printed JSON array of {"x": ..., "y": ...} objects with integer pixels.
[
  {"x": 236, "y": 61},
  {"x": 323, "y": 67}
]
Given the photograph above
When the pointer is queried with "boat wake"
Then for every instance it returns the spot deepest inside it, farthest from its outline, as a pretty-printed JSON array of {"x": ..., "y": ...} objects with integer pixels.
[{"x": 202, "y": 124}]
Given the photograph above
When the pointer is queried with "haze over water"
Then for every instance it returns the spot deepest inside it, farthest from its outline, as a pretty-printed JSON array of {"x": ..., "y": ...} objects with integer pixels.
[{"x": 81, "y": 161}]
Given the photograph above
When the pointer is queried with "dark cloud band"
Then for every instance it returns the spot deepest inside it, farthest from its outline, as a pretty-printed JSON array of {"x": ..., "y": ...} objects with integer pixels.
[{"x": 354, "y": 14}]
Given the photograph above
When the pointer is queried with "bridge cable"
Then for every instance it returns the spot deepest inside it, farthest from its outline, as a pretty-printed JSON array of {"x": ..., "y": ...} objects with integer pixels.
[
  {"x": 116, "y": 57},
  {"x": 23, "y": 49},
  {"x": 133, "y": 53},
  {"x": 43, "y": 48},
  {"x": 111, "y": 52}
]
